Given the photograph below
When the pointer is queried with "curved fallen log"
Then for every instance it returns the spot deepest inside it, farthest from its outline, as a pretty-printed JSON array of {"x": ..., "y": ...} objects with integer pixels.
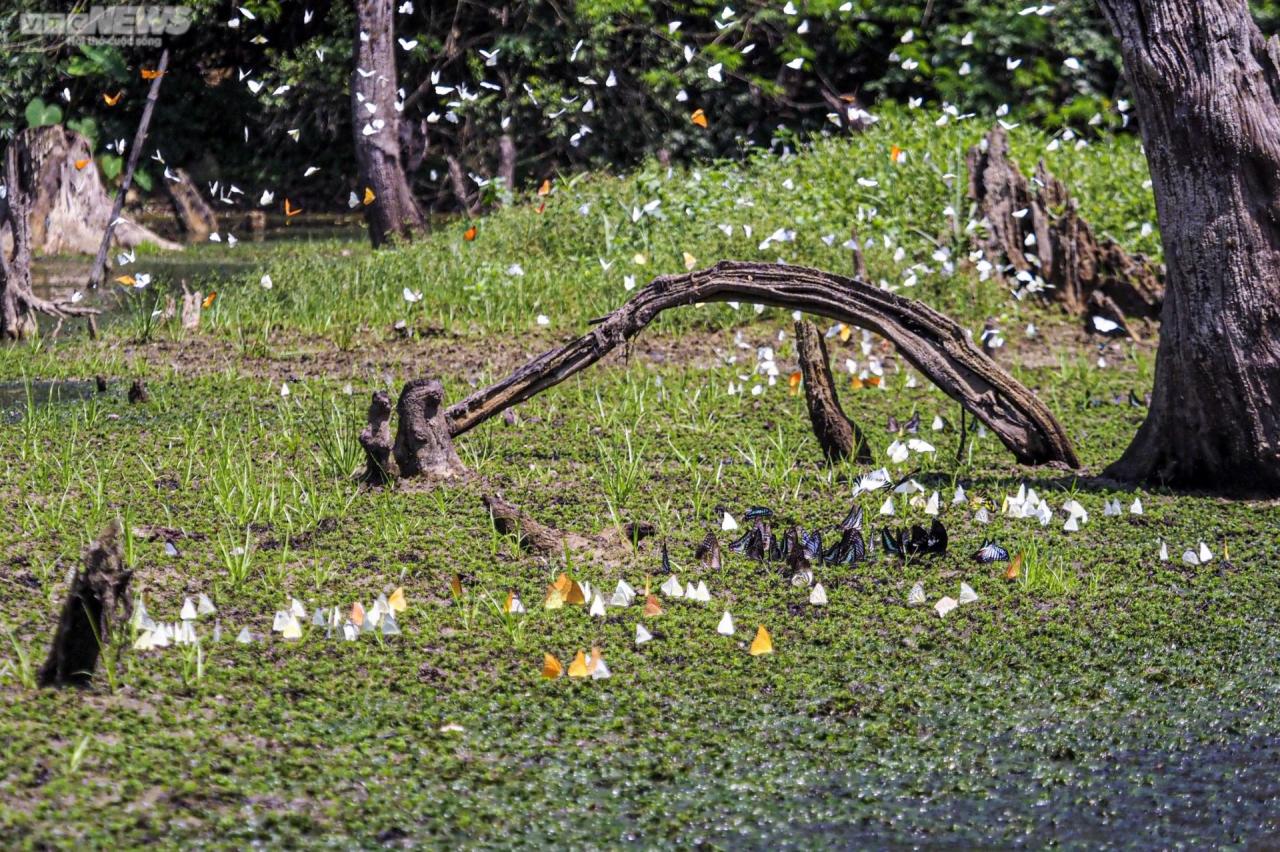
[{"x": 933, "y": 343}]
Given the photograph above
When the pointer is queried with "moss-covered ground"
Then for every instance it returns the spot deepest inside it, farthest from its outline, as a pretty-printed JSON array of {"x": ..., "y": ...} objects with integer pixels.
[{"x": 1105, "y": 698}]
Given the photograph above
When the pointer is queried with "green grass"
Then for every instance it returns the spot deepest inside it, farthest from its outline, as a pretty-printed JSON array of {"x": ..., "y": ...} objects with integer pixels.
[
  {"x": 1104, "y": 698},
  {"x": 344, "y": 295}
]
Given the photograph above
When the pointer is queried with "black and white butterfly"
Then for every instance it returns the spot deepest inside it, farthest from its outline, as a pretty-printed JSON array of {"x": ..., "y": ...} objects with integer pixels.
[{"x": 990, "y": 552}]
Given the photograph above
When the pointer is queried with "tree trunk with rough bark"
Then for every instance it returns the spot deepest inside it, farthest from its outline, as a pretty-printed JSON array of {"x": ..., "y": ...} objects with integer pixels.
[
  {"x": 195, "y": 215},
  {"x": 1037, "y": 235},
  {"x": 19, "y": 304},
  {"x": 1207, "y": 91},
  {"x": 68, "y": 205},
  {"x": 394, "y": 212}
]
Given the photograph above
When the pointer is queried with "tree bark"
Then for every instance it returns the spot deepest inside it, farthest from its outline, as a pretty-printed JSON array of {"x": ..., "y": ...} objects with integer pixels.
[
  {"x": 839, "y": 436},
  {"x": 375, "y": 121},
  {"x": 375, "y": 438},
  {"x": 1042, "y": 234},
  {"x": 931, "y": 342},
  {"x": 1207, "y": 91},
  {"x": 194, "y": 213},
  {"x": 69, "y": 207},
  {"x": 19, "y": 304},
  {"x": 507, "y": 162},
  {"x": 423, "y": 444}
]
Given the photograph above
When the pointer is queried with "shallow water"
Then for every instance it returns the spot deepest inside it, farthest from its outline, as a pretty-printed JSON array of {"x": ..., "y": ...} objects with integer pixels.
[{"x": 16, "y": 397}]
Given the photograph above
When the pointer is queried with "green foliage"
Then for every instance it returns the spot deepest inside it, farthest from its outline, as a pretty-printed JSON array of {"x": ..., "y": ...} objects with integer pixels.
[
  {"x": 40, "y": 114},
  {"x": 865, "y": 51},
  {"x": 103, "y": 62}
]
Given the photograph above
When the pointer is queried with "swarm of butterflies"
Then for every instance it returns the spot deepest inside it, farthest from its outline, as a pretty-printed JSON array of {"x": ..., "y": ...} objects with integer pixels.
[
  {"x": 379, "y": 618},
  {"x": 799, "y": 553}
]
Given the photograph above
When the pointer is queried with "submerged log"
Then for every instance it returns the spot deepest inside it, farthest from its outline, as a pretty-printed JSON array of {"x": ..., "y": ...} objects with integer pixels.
[
  {"x": 839, "y": 436},
  {"x": 1042, "y": 234},
  {"x": 99, "y": 599}
]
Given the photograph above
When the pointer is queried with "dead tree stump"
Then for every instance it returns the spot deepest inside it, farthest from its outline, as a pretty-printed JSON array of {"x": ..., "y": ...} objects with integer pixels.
[
  {"x": 376, "y": 440},
  {"x": 1042, "y": 234},
  {"x": 839, "y": 436},
  {"x": 194, "y": 213},
  {"x": 423, "y": 445},
  {"x": 99, "y": 599}
]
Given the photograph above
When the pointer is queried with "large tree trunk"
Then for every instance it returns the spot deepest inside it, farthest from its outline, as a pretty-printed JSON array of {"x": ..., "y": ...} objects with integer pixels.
[
  {"x": 1207, "y": 88},
  {"x": 375, "y": 121},
  {"x": 69, "y": 206},
  {"x": 18, "y": 303}
]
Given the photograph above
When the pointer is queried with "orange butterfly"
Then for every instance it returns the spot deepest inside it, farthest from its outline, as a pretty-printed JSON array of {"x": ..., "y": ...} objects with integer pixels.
[
  {"x": 1014, "y": 569},
  {"x": 762, "y": 644},
  {"x": 794, "y": 381},
  {"x": 357, "y": 614},
  {"x": 545, "y": 189},
  {"x": 112, "y": 100},
  {"x": 578, "y": 668},
  {"x": 290, "y": 210},
  {"x": 699, "y": 118},
  {"x": 151, "y": 73},
  {"x": 651, "y": 607},
  {"x": 895, "y": 154},
  {"x": 80, "y": 164},
  {"x": 455, "y": 586},
  {"x": 470, "y": 233},
  {"x": 551, "y": 667},
  {"x": 368, "y": 196},
  {"x": 208, "y": 300},
  {"x": 397, "y": 601}
]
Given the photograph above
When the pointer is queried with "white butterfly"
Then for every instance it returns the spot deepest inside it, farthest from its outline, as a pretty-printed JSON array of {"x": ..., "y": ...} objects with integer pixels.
[
  {"x": 407, "y": 44},
  {"x": 714, "y": 72},
  {"x": 642, "y": 635},
  {"x": 412, "y": 296},
  {"x": 725, "y": 627}
]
